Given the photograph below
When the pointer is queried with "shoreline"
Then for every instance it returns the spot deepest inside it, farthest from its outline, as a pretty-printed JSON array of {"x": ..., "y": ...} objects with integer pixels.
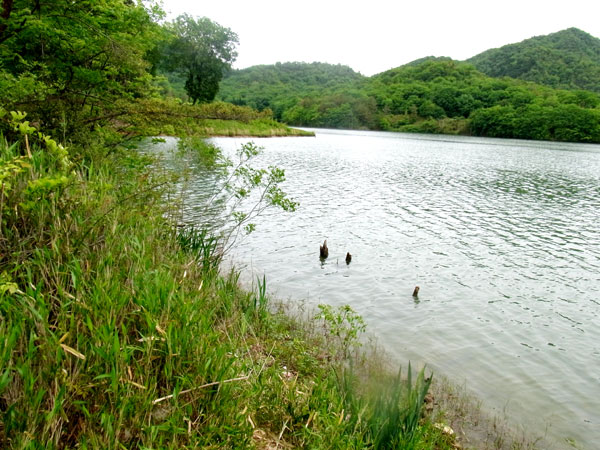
[
  {"x": 472, "y": 425},
  {"x": 140, "y": 330}
]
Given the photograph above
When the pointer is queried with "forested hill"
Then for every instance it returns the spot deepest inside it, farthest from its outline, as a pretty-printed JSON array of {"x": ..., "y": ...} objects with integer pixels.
[
  {"x": 278, "y": 86},
  {"x": 438, "y": 95},
  {"x": 568, "y": 59}
]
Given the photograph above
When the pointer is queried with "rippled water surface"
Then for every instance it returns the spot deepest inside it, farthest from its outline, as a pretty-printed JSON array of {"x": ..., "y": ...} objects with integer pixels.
[{"x": 502, "y": 237}]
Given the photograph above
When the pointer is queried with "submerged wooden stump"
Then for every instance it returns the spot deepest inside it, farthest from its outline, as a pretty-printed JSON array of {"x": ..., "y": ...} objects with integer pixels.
[{"x": 323, "y": 250}]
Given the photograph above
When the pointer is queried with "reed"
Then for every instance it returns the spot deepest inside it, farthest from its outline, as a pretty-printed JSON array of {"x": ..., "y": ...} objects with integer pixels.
[{"x": 391, "y": 412}]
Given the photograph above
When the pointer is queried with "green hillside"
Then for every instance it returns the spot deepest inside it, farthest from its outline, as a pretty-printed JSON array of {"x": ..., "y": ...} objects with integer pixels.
[
  {"x": 568, "y": 59},
  {"x": 280, "y": 86}
]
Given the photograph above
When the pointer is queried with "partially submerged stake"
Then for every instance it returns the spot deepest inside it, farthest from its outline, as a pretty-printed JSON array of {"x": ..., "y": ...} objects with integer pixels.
[
  {"x": 416, "y": 291},
  {"x": 348, "y": 258},
  {"x": 323, "y": 250}
]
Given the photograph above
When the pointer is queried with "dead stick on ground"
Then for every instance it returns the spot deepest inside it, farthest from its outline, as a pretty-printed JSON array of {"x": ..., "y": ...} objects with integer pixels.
[{"x": 214, "y": 383}]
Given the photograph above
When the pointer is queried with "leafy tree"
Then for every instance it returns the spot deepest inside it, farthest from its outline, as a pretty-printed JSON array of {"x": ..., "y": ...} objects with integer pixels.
[
  {"x": 69, "y": 62},
  {"x": 202, "y": 51},
  {"x": 428, "y": 109},
  {"x": 446, "y": 97},
  {"x": 497, "y": 121},
  {"x": 341, "y": 116}
]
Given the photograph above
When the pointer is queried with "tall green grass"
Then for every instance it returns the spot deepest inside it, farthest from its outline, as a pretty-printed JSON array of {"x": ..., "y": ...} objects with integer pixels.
[
  {"x": 389, "y": 413},
  {"x": 116, "y": 331},
  {"x": 201, "y": 246}
]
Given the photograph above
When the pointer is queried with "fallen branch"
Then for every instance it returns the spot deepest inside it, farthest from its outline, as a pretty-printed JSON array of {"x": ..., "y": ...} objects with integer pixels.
[{"x": 214, "y": 383}]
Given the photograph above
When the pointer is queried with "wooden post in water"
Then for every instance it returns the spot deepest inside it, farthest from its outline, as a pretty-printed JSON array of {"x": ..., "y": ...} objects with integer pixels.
[
  {"x": 416, "y": 291},
  {"x": 323, "y": 250}
]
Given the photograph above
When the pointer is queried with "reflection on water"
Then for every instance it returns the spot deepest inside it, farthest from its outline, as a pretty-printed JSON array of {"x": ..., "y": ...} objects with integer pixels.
[{"x": 502, "y": 237}]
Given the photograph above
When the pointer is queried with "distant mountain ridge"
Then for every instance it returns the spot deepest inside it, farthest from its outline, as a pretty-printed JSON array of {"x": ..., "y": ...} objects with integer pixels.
[{"x": 568, "y": 59}]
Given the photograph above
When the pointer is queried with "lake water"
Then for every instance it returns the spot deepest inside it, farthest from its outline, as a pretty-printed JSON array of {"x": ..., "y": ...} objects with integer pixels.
[{"x": 502, "y": 236}]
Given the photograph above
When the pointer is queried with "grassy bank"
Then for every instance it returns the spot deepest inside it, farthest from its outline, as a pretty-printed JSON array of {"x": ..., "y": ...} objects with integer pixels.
[
  {"x": 255, "y": 128},
  {"x": 117, "y": 330}
]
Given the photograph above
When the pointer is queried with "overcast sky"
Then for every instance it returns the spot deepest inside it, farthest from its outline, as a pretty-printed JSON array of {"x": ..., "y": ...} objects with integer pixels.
[{"x": 375, "y": 35}]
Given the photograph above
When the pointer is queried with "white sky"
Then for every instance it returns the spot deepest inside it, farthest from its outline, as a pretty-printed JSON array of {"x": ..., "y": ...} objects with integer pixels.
[{"x": 376, "y": 35}]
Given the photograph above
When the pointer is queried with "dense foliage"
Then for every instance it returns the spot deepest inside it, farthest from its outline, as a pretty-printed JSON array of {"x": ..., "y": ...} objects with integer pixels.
[
  {"x": 448, "y": 96},
  {"x": 432, "y": 95},
  {"x": 69, "y": 64},
  {"x": 76, "y": 67},
  {"x": 282, "y": 86},
  {"x": 568, "y": 59}
]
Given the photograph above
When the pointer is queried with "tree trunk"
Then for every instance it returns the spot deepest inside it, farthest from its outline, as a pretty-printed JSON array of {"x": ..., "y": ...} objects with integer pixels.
[{"x": 7, "y": 6}]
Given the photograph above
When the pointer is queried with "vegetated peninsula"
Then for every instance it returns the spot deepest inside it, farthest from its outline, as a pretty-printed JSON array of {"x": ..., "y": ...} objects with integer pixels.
[{"x": 440, "y": 95}]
